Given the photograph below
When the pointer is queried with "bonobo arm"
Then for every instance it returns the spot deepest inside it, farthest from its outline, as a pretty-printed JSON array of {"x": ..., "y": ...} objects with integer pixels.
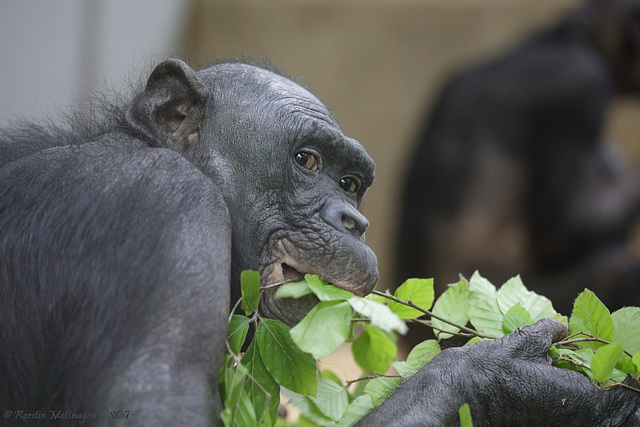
[{"x": 506, "y": 382}]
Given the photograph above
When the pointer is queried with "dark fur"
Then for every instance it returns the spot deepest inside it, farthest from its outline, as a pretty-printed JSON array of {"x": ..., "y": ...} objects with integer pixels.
[{"x": 124, "y": 228}]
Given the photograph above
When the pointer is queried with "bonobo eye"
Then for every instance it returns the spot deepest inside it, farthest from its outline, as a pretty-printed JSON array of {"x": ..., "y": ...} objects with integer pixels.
[
  {"x": 307, "y": 160},
  {"x": 350, "y": 184}
]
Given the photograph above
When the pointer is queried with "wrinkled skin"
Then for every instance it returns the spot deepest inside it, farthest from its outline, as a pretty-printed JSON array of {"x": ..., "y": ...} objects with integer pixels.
[
  {"x": 506, "y": 382},
  {"x": 291, "y": 215}
]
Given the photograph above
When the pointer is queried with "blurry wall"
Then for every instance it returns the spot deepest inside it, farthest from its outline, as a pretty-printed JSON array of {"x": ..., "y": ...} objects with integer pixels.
[
  {"x": 55, "y": 52},
  {"x": 377, "y": 64}
]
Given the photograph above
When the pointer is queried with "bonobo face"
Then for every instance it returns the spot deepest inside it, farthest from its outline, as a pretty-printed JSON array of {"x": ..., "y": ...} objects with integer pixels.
[{"x": 293, "y": 182}]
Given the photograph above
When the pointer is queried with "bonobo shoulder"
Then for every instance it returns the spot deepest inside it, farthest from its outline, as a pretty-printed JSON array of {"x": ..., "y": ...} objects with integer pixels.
[{"x": 115, "y": 163}]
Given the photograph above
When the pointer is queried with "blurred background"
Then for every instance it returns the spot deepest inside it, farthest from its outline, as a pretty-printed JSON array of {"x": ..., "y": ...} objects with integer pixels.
[{"x": 377, "y": 64}]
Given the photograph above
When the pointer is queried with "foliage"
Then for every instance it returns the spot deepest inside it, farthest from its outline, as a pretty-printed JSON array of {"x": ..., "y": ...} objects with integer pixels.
[{"x": 281, "y": 360}]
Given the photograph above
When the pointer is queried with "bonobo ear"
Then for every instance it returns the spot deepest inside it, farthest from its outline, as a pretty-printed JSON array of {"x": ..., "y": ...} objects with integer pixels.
[{"x": 171, "y": 107}]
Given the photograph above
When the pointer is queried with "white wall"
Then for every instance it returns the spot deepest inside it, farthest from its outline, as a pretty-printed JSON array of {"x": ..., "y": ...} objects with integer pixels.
[{"x": 52, "y": 52}]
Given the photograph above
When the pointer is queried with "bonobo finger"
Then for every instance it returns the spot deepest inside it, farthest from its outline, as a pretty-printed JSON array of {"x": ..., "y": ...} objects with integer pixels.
[{"x": 533, "y": 342}]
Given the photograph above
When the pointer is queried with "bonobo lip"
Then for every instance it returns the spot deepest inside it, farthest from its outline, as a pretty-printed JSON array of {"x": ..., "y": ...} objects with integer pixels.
[{"x": 293, "y": 273}]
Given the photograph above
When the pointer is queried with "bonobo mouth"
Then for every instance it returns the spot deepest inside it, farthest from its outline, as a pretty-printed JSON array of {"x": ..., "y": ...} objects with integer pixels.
[
  {"x": 295, "y": 273},
  {"x": 290, "y": 274},
  {"x": 356, "y": 274}
]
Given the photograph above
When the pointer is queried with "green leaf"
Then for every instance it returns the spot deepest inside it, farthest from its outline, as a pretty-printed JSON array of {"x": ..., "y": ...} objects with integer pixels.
[
  {"x": 250, "y": 288},
  {"x": 560, "y": 355},
  {"x": 330, "y": 375},
  {"x": 326, "y": 291},
  {"x": 294, "y": 290},
  {"x": 592, "y": 316},
  {"x": 516, "y": 317},
  {"x": 230, "y": 379},
  {"x": 379, "y": 314},
  {"x": 453, "y": 305},
  {"x": 422, "y": 353},
  {"x": 581, "y": 359},
  {"x": 238, "y": 409},
  {"x": 626, "y": 328},
  {"x": 636, "y": 359},
  {"x": 266, "y": 420},
  {"x": 510, "y": 293},
  {"x": 473, "y": 341},
  {"x": 287, "y": 364},
  {"x": 562, "y": 318},
  {"x": 323, "y": 329},
  {"x": 308, "y": 408},
  {"x": 259, "y": 400},
  {"x": 604, "y": 360},
  {"x": 357, "y": 409},
  {"x": 465, "y": 416},
  {"x": 484, "y": 312},
  {"x": 514, "y": 291},
  {"x": 553, "y": 352},
  {"x": 373, "y": 351},
  {"x": 419, "y": 291},
  {"x": 240, "y": 414},
  {"x": 626, "y": 365},
  {"x": 237, "y": 332},
  {"x": 618, "y": 375},
  {"x": 584, "y": 355},
  {"x": 332, "y": 400},
  {"x": 381, "y": 388},
  {"x": 405, "y": 370}
]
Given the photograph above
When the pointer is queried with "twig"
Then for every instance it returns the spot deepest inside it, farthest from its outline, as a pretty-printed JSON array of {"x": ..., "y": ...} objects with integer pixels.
[
  {"x": 619, "y": 384},
  {"x": 410, "y": 303},
  {"x": 370, "y": 377},
  {"x": 590, "y": 337},
  {"x": 574, "y": 363},
  {"x": 275, "y": 285},
  {"x": 233, "y": 310},
  {"x": 431, "y": 325}
]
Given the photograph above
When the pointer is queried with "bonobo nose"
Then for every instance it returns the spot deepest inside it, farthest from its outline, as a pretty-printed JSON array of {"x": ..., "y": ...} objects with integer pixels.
[{"x": 345, "y": 218}]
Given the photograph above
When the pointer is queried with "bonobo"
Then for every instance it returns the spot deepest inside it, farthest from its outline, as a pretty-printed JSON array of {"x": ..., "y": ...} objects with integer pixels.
[
  {"x": 122, "y": 240},
  {"x": 511, "y": 173}
]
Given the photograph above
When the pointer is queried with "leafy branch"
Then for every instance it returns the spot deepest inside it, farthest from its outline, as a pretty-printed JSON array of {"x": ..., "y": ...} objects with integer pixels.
[{"x": 604, "y": 346}]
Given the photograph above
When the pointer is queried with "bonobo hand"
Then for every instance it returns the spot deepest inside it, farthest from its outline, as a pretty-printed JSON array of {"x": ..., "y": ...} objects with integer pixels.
[{"x": 506, "y": 382}]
